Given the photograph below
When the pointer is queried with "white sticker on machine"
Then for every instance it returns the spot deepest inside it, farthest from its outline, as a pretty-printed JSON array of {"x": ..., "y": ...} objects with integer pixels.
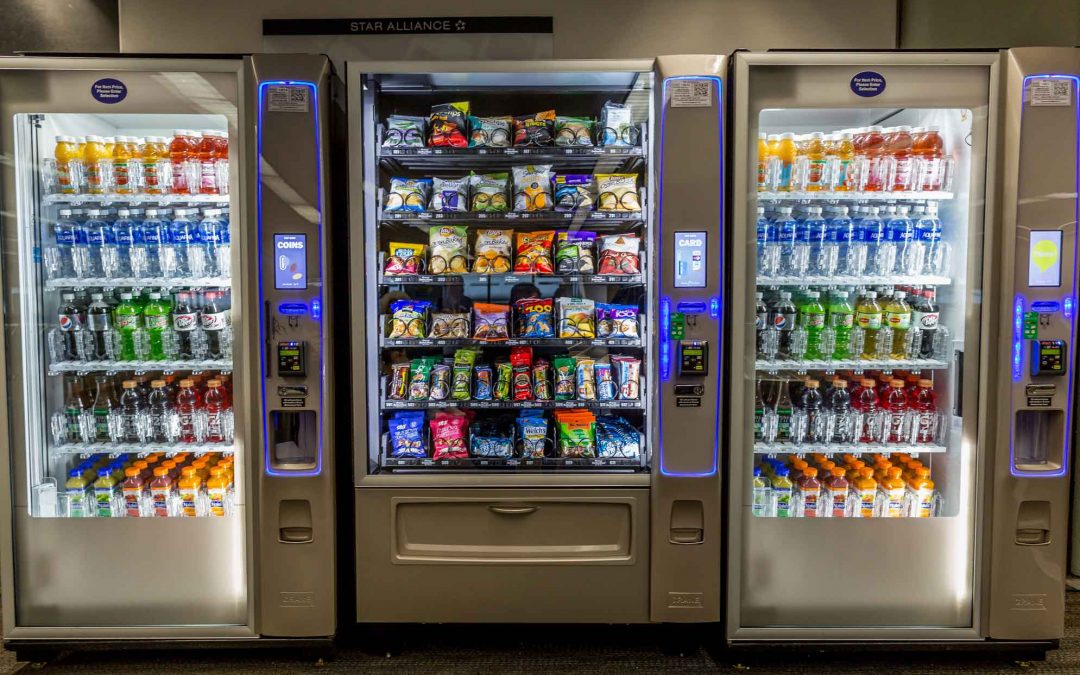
[
  {"x": 287, "y": 98},
  {"x": 1050, "y": 91},
  {"x": 691, "y": 93}
]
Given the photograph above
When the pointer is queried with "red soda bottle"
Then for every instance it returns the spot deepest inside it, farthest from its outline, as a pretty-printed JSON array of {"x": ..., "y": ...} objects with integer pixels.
[
  {"x": 866, "y": 402},
  {"x": 187, "y": 408},
  {"x": 925, "y": 408},
  {"x": 896, "y": 406},
  {"x": 216, "y": 405}
]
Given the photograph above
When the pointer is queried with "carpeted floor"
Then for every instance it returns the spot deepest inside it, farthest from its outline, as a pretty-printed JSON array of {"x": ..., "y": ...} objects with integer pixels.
[{"x": 429, "y": 650}]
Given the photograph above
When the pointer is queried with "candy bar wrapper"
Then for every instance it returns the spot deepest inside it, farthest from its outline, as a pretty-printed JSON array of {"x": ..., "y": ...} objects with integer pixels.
[
  {"x": 565, "y": 383},
  {"x": 420, "y": 379},
  {"x": 398, "y": 388},
  {"x": 627, "y": 374},
  {"x": 585, "y": 382},
  {"x": 461, "y": 387},
  {"x": 482, "y": 391},
  {"x": 440, "y": 382},
  {"x": 541, "y": 376},
  {"x": 605, "y": 382},
  {"x": 521, "y": 363},
  {"x": 504, "y": 377},
  {"x": 407, "y": 435}
]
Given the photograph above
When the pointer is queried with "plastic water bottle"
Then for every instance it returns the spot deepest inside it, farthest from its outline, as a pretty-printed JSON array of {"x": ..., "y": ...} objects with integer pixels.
[
  {"x": 837, "y": 237},
  {"x": 95, "y": 241},
  {"x": 223, "y": 252},
  {"x": 802, "y": 249},
  {"x": 128, "y": 236},
  {"x": 65, "y": 233},
  {"x": 935, "y": 252},
  {"x": 901, "y": 234},
  {"x": 882, "y": 251},
  {"x": 813, "y": 233},
  {"x": 185, "y": 242},
  {"x": 872, "y": 234},
  {"x": 768, "y": 248},
  {"x": 762, "y": 495},
  {"x": 212, "y": 229},
  {"x": 858, "y": 256},
  {"x": 154, "y": 236},
  {"x": 786, "y": 231}
]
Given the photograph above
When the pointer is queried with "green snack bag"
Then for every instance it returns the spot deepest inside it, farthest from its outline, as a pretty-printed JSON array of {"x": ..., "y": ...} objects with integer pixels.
[
  {"x": 504, "y": 375},
  {"x": 565, "y": 370},
  {"x": 461, "y": 388},
  {"x": 420, "y": 378}
]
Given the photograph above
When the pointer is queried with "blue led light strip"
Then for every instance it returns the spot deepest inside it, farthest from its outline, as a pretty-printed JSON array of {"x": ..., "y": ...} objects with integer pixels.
[
  {"x": 714, "y": 302},
  {"x": 1068, "y": 300},
  {"x": 1018, "y": 339},
  {"x": 316, "y": 302}
]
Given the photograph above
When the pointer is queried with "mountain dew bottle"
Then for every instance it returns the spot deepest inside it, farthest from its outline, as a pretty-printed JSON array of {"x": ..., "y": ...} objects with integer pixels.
[
  {"x": 812, "y": 317},
  {"x": 127, "y": 322},
  {"x": 841, "y": 318}
]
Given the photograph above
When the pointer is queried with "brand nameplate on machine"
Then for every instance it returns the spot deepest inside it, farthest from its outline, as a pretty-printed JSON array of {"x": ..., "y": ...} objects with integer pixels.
[
  {"x": 293, "y": 402},
  {"x": 688, "y": 401}
]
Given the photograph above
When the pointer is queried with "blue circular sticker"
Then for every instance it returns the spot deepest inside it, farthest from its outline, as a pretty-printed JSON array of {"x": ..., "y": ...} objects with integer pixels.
[
  {"x": 868, "y": 83},
  {"x": 108, "y": 90}
]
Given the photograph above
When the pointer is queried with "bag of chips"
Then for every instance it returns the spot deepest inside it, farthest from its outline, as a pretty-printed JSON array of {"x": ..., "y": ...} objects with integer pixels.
[
  {"x": 565, "y": 378},
  {"x": 574, "y": 191},
  {"x": 504, "y": 380},
  {"x": 616, "y": 438},
  {"x": 404, "y": 131},
  {"x": 407, "y": 435},
  {"x": 617, "y": 192},
  {"x": 398, "y": 387},
  {"x": 605, "y": 381},
  {"x": 489, "y": 192},
  {"x": 408, "y": 318},
  {"x": 617, "y": 126},
  {"x": 440, "y": 382},
  {"x": 408, "y": 195},
  {"x": 535, "y": 317},
  {"x": 482, "y": 390},
  {"x": 577, "y": 318},
  {"x": 532, "y": 432},
  {"x": 617, "y": 321},
  {"x": 490, "y": 132},
  {"x": 574, "y": 131},
  {"x": 448, "y": 436},
  {"x": 532, "y": 188},
  {"x": 493, "y": 249},
  {"x": 534, "y": 252},
  {"x": 405, "y": 258},
  {"x": 585, "y": 379},
  {"x": 576, "y": 433},
  {"x": 627, "y": 375},
  {"x": 449, "y": 249},
  {"x": 491, "y": 437},
  {"x": 420, "y": 378},
  {"x": 491, "y": 321},
  {"x": 521, "y": 363},
  {"x": 541, "y": 380},
  {"x": 445, "y": 325},
  {"x": 574, "y": 252},
  {"x": 620, "y": 254},
  {"x": 450, "y": 195},
  {"x": 534, "y": 130},
  {"x": 447, "y": 122},
  {"x": 461, "y": 386}
]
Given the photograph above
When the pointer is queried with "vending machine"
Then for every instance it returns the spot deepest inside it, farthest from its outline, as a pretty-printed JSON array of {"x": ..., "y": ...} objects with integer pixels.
[
  {"x": 902, "y": 320},
  {"x": 167, "y": 472},
  {"x": 536, "y": 288}
]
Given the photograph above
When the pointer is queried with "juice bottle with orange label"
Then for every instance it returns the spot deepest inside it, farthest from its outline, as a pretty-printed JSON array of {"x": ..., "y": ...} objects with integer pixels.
[
  {"x": 842, "y": 170},
  {"x": 68, "y": 165},
  {"x": 134, "y": 491},
  {"x": 814, "y": 163},
  {"x": 190, "y": 493},
  {"x": 837, "y": 493},
  {"x": 762, "y": 162},
  {"x": 154, "y": 155},
  {"x": 95, "y": 157},
  {"x": 808, "y": 491},
  {"x": 864, "y": 488},
  {"x": 898, "y": 146},
  {"x": 785, "y": 154},
  {"x": 122, "y": 155},
  {"x": 920, "y": 496},
  {"x": 181, "y": 154},
  {"x": 891, "y": 494},
  {"x": 206, "y": 154},
  {"x": 162, "y": 493},
  {"x": 217, "y": 491}
]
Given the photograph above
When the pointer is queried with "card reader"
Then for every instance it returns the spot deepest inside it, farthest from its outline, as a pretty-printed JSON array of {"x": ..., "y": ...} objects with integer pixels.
[
  {"x": 291, "y": 359},
  {"x": 694, "y": 357},
  {"x": 1048, "y": 357}
]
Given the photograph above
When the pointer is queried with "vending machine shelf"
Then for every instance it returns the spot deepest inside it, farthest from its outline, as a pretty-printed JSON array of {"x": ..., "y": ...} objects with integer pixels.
[
  {"x": 135, "y": 200},
  {"x": 510, "y": 405},
  {"x": 140, "y": 448},
  {"x": 844, "y": 280},
  {"x": 139, "y": 282},
  {"x": 512, "y": 342},
  {"x": 592, "y": 218},
  {"x": 851, "y": 364},
  {"x": 614, "y": 158},
  {"x": 844, "y": 448},
  {"x": 514, "y": 463},
  {"x": 141, "y": 365},
  {"x": 794, "y": 196},
  {"x": 510, "y": 279}
]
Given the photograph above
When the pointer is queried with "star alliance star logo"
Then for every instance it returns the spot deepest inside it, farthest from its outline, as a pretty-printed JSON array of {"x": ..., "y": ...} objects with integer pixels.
[{"x": 460, "y": 25}]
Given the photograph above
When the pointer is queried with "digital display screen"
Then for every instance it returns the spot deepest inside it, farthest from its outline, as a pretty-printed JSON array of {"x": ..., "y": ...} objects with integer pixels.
[
  {"x": 691, "y": 352},
  {"x": 1044, "y": 258},
  {"x": 690, "y": 259},
  {"x": 290, "y": 262}
]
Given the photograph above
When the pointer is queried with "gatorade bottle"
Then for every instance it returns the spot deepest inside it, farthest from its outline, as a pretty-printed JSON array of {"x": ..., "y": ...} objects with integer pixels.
[
  {"x": 841, "y": 318},
  {"x": 134, "y": 490},
  {"x": 874, "y": 161},
  {"x": 897, "y": 316},
  {"x": 762, "y": 494},
  {"x": 868, "y": 316},
  {"x": 815, "y": 163},
  {"x": 190, "y": 489},
  {"x": 68, "y": 165},
  {"x": 928, "y": 150},
  {"x": 105, "y": 488},
  {"x": 812, "y": 319},
  {"x": 77, "y": 491},
  {"x": 216, "y": 409},
  {"x": 181, "y": 154},
  {"x": 837, "y": 489},
  {"x": 843, "y": 168},
  {"x": 94, "y": 157},
  {"x": 866, "y": 404},
  {"x": 785, "y": 154},
  {"x": 864, "y": 488},
  {"x": 188, "y": 406},
  {"x": 925, "y": 407},
  {"x": 812, "y": 404},
  {"x": 891, "y": 494},
  {"x": 156, "y": 320},
  {"x": 896, "y": 406},
  {"x": 762, "y": 162},
  {"x": 920, "y": 494},
  {"x": 898, "y": 146},
  {"x": 839, "y": 401},
  {"x": 809, "y": 493}
]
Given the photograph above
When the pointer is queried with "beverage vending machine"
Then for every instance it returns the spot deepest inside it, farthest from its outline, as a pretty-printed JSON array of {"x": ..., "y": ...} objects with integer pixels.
[
  {"x": 536, "y": 284},
  {"x": 167, "y": 471},
  {"x": 901, "y": 348}
]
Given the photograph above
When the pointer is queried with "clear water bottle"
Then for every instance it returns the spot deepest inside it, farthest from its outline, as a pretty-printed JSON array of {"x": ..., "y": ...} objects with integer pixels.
[
  {"x": 768, "y": 247},
  {"x": 786, "y": 232},
  {"x": 832, "y": 255},
  {"x": 812, "y": 237},
  {"x": 872, "y": 235},
  {"x": 211, "y": 230},
  {"x": 936, "y": 252},
  {"x": 154, "y": 238},
  {"x": 128, "y": 236},
  {"x": 882, "y": 250},
  {"x": 223, "y": 250},
  {"x": 857, "y": 260},
  {"x": 96, "y": 238},
  {"x": 65, "y": 232},
  {"x": 187, "y": 247},
  {"x": 901, "y": 234}
]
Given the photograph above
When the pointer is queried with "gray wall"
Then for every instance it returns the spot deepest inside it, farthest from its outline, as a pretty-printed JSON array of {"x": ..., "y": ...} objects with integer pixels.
[
  {"x": 52, "y": 25},
  {"x": 958, "y": 24}
]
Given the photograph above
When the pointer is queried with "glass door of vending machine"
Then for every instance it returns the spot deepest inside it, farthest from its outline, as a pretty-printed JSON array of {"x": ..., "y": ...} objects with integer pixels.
[
  {"x": 858, "y": 343},
  {"x": 127, "y": 508}
]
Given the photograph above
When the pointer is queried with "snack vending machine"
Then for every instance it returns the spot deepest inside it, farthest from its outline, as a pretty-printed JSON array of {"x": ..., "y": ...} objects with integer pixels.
[
  {"x": 159, "y": 483},
  {"x": 898, "y": 395},
  {"x": 518, "y": 272}
]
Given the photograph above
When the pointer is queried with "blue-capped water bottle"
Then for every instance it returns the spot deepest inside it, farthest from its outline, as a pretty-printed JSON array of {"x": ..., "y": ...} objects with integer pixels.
[
  {"x": 834, "y": 249},
  {"x": 96, "y": 237},
  {"x": 768, "y": 248},
  {"x": 872, "y": 232},
  {"x": 935, "y": 251},
  {"x": 812, "y": 236},
  {"x": 185, "y": 244},
  {"x": 901, "y": 233},
  {"x": 64, "y": 235},
  {"x": 128, "y": 234},
  {"x": 786, "y": 227},
  {"x": 154, "y": 235}
]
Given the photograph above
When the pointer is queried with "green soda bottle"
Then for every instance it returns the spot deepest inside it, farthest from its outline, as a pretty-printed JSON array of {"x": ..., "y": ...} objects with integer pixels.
[
  {"x": 841, "y": 318},
  {"x": 812, "y": 318},
  {"x": 156, "y": 319},
  {"x": 128, "y": 320}
]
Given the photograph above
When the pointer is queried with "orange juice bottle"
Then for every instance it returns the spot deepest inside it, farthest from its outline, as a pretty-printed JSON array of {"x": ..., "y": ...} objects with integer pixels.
[
  {"x": 217, "y": 491},
  {"x": 68, "y": 165},
  {"x": 814, "y": 163},
  {"x": 865, "y": 488},
  {"x": 772, "y": 168},
  {"x": 891, "y": 494},
  {"x": 190, "y": 492},
  {"x": 110, "y": 144},
  {"x": 785, "y": 154},
  {"x": 762, "y": 162},
  {"x": 154, "y": 155},
  {"x": 122, "y": 156},
  {"x": 920, "y": 494},
  {"x": 843, "y": 168},
  {"x": 95, "y": 156},
  {"x": 854, "y": 468}
]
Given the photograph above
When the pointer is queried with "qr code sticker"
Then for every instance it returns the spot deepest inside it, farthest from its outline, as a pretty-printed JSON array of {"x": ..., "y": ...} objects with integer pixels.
[
  {"x": 691, "y": 93},
  {"x": 287, "y": 98}
]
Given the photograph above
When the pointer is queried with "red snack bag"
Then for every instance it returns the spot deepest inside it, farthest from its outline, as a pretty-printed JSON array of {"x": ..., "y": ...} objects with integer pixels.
[
  {"x": 521, "y": 362},
  {"x": 534, "y": 252},
  {"x": 448, "y": 436}
]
